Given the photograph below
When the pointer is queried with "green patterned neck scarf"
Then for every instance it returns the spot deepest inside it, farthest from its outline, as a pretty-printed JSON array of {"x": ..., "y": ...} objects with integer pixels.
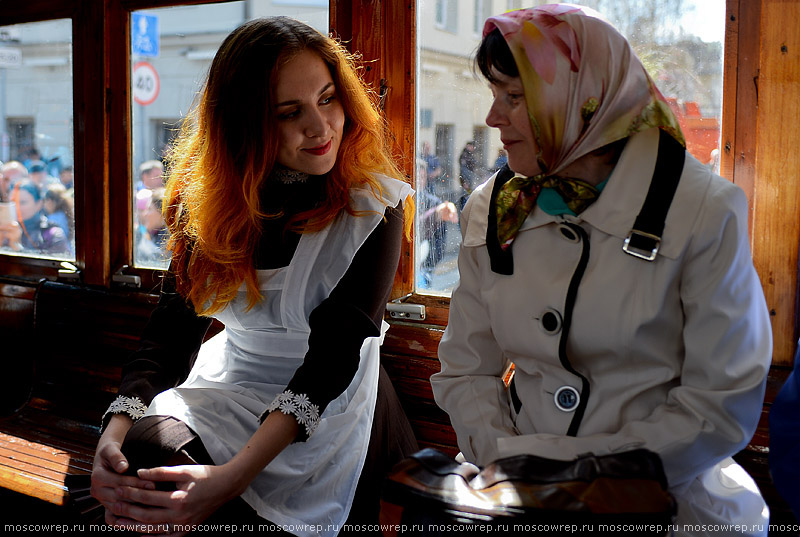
[{"x": 518, "y": 196}]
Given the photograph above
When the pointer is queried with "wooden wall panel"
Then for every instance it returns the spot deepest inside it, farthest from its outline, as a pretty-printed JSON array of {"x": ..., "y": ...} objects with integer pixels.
[
  {"x": 400, "y": 98},
  {"x": 371, "y": 28},
  {"x": 743, "y": 64},
  {"x": 729, "y": 85},
  {"x": 118, "y": 83},
  {"x": 777, "y": 189},
  {"x": 92, "y": 231}
]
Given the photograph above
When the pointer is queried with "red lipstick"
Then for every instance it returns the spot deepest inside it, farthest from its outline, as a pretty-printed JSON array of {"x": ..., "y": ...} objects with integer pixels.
[{"x": 320, "y": 150}]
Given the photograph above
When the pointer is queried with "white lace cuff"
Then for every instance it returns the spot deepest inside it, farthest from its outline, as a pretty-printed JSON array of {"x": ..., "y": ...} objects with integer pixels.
[
  {"x": 132, "y": 406},
  {"x": 305, "y": 412}
]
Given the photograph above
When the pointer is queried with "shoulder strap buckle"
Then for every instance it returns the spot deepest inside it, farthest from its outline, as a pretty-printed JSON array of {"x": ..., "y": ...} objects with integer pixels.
[
  {"x": 644, "y": 239},
  {"x": 642, "y": 245}
]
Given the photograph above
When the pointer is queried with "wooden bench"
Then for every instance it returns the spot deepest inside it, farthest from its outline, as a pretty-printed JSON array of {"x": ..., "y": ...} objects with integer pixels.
[
  {"x": 69, "y": 344},
  {"x": 63, "y": 346},
  {"x": 410, "y": 360},
  {"x": 76, "y": 339}
]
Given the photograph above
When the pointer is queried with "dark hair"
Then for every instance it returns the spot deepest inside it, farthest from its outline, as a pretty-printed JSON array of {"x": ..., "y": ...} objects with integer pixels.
[
  {"x": 31, "y": 188},
  {"x": 37, "y": 166},
  {"x": 494, "y": 56}
]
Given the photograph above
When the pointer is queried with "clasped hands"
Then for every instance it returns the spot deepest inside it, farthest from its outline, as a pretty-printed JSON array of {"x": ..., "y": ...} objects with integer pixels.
[{"x": 134, "y": 503}]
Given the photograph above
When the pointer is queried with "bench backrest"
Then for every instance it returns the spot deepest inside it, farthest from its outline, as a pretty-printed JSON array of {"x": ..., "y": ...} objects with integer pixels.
[{"x": 82, "y": 337}]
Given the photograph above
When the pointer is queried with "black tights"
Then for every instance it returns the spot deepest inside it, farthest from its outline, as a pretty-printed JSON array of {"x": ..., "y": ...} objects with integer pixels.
[{"x": 166, "y": 441}]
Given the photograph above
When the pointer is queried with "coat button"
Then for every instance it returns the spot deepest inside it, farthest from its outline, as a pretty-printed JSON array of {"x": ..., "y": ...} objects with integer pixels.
[
  {"x": 568, "y": 233},
  {"x": 567, "y": 398},
  {"x": 550, "y": 321}
]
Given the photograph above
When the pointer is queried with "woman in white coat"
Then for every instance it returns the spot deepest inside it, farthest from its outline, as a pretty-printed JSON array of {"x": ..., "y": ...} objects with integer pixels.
[{"x": 612, "y": 270}]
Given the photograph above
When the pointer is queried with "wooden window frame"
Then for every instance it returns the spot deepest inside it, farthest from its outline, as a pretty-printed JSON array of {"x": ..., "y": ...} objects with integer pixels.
[{"x": 384, "y": 33}]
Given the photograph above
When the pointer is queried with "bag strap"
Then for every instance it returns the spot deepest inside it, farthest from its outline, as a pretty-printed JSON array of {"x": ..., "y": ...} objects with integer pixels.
[
  {"x": 644, "y": 239},
  {"x": 643, "y": 242},
  {"x": 502, "y": 261}
]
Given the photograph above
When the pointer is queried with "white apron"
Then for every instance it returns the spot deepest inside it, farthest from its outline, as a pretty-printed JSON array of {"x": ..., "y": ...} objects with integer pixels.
[{"x": 308, "y": 488}]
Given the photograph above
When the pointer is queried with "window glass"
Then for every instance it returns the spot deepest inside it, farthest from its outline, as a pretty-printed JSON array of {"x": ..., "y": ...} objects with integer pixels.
[
  {"x": 36, "y": 140},
  {"x": 172, "y": 49},
  {"x": 446, "y": 13},
  {"x": 679, "y": 42}
]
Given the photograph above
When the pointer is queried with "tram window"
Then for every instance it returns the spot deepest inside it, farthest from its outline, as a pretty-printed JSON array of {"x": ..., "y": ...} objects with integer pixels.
[
  {"x": 172, "y": 49},
  {"x": 36, "y": 140},
  {"x": 679, "y": 41}
]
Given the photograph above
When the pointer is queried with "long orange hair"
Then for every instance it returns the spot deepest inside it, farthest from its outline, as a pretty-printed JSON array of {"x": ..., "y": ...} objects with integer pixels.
[{"x": 227, "y": 148}]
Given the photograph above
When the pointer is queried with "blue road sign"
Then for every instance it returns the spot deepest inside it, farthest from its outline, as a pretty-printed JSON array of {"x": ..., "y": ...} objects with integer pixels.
[{"x": 144, "y": 34}]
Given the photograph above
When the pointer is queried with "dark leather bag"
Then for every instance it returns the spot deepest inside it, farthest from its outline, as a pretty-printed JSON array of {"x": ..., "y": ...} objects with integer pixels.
[{"x": 430, "y": 494}]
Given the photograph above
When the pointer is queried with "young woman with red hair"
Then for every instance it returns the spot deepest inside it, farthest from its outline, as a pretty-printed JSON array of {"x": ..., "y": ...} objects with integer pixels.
[{"x": 285, "y": 220}]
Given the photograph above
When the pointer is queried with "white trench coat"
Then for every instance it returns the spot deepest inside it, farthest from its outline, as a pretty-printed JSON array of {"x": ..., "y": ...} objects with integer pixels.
[{"x": 676, "y": 351}]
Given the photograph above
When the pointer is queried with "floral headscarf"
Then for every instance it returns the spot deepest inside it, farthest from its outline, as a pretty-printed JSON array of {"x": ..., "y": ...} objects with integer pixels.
[{"x": 584, "y": 88}]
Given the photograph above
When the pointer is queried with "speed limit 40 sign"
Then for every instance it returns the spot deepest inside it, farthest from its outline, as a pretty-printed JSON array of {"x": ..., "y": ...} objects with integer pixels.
[{"x": 145, "y": 83}]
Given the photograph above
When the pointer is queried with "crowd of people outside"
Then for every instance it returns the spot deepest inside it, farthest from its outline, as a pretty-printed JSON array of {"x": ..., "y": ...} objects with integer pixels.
[
  {"x": 150, "y": 229},
  {"x": 436, "y": 210},
  {"x": 37, "y": 199},
  {"x": 28, "y": 223},
  {"x": 36, "y": 205},
  {"x": 441, "y": 198}
]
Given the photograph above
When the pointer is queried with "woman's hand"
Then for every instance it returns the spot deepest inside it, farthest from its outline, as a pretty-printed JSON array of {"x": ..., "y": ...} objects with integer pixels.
[
  {"x": 110, "y": 464},
  {"x": 200, "y": 490}
]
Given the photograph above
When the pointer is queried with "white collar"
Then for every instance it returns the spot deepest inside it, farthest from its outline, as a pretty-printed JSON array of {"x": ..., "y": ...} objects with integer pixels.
[{"x": 616, "y": 209}]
